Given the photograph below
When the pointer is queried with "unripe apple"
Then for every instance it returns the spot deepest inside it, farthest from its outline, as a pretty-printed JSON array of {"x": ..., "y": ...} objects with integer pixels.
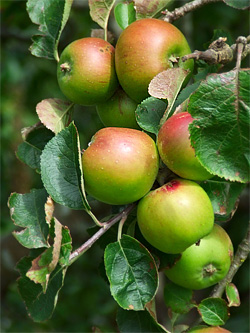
[
  {"x": 204, "y": 264},
  {"x": 120, "y": 165},
  {"x": 144, "y": 49},
  {"x": 175, "y": 149},
  {"x": 86, "y": 71},
  {"x": 211, "y": 329},
  {"x": 118, "y": 111},
  {"x": 175, "y": 216}
]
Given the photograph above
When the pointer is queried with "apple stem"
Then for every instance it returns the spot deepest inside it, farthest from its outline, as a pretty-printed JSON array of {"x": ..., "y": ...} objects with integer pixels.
[{"x": 121, "y": 223}]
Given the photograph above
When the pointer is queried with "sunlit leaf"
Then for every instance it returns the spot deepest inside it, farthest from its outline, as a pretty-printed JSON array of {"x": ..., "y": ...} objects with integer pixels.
[
  {"x": 220, "y": 132},
  {"x": 51, "y": 16},
  {"x": 27, "y": 211}
]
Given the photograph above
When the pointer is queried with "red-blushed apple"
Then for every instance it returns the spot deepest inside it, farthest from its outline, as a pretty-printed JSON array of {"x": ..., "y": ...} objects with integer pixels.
[
  {"x": 118, "y": 111},
  {"x": 146, "y": 48},
  {"x": 120, "y": 165},
  {"x": 205, "y": 263},
  {"x": 175, "y": 148},
  {"x": 86, "y": 71},
  {"x": 210, "y": 329},
  {"x": 175, "y": 216}
]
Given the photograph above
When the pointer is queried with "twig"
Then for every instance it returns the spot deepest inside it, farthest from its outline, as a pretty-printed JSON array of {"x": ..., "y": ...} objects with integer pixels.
[
  {"x": 239, "y": 258},
  {"x": 219, "y": 52},
  {"x": 106, "y": 226},
  {"x": 182, "y": 11}
]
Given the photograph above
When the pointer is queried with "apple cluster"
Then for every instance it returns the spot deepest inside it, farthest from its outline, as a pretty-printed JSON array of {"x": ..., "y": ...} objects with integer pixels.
[{"x": 121, "y": 163}]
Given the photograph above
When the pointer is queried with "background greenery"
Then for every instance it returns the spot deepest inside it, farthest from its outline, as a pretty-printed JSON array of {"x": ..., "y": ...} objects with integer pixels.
[{"x": 85, "y": 300}]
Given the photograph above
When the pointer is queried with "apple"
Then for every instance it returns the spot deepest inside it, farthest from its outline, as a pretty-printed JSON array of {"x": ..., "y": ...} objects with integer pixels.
[
  {"x": 86, "y": 71},
  {"x": 175, "y": 216},
  {"x": 146, "y": 48},
  {"x": 204, "y": 264},
  {"x": 175, "y": 148},
  {"x": 120, "y": 165},
  {"x": 118, "y": 111},
  {"x": 210, "y": 329}
]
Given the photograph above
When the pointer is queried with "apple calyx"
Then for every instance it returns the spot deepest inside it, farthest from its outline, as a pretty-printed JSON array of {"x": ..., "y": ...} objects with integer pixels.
[
  {"x": 209, "y": 270},
  {"x": 65, "y": 67}
]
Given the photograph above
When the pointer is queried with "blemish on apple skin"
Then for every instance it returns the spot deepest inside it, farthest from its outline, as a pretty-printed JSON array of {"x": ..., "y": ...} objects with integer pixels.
[
  {"x": 172, "y": 186},
  {"x": 237, "y": 174},
  {"x": 131, "y": 307}
]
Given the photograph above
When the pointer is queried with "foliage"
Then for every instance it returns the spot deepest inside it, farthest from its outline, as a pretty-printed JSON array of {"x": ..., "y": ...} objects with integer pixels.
[{"x": 52, "y": 147}]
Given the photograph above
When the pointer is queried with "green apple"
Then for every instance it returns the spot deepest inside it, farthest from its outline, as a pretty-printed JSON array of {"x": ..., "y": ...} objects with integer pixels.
[
  {"x": 86, "y": 71},
  {"x": 175, "y": 216},
  {"x": 120, "y": 165},
  {"x": 175, "y": 149},
  {"x": 118, "y": 111},
  {"x": 204, "y": 264},
  {"x": 144, "y": 49},
  {"x": 210, "y": 329}
]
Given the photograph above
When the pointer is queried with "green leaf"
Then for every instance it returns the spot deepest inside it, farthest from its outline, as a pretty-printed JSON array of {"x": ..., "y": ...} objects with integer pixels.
[
  {"x": 166, "y": 85},
  {"x": 100, "y": 11},
  {"x": 233, "y": 296},
  {"x": 238, "y": 4},
  {"x": 220, "y": 133},
  {"x": 27, "y": 211},
  {"x": 149, "y": 8},
  {"x": 132, "y": 273},
  {"x": 124, "y": 14},
  {"x": 40, "y": 305},
  {"x": 224, "y": 197},
  {"x": 137, "y": 321},
  {"x": 54, "y": 113},
  {"x": 35, "y": 139},
  {"x": 149, "y": 113},
  {"x": 51, "y": 16},
  {"x": 42, "y": 266},
  {"x": 214, "y": 311},
  {"x": 179, "y": 299},
  {"x": 61, "y": 169}
]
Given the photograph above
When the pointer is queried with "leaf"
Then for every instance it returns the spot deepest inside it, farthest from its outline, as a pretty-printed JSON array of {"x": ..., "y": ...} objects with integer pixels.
[
  {"x": 214, "y": 311},
  {"x": 132, "y": 273},
  {"x": 179, "y": 299},
  {"x": 220, "y": 133},
  {"x": 238, "y": 4},
  {"x": 27, "y": 211},
  {"x": 233, "y": 296},
  {"x": 51, "y": 16},
  {"x": 149, "y": 8},
  {"x": 224, "y": 197},
  {"x": 42, "y": 266},
  {"x": 100, "y": 11},
  {"x": 54, "y": 113},
  {"x": 184, "y": 96},
  {"x": 166, "y": 85},
  {"x": 124, "y": 14},
  {"x": 137, "y": 321},
  {"x": 149, "y": 113},
  {"x": 61, "y": 169},
  {"x": 40, "y": 305},
  {"x": 35, "y": 139}
]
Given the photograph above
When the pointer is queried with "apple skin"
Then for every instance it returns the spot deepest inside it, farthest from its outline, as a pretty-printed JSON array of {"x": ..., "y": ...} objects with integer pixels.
[
  {"x": 120, "y": 165},
  {"x": 143, "y": 50},
  {"x": 118, "y": 111},
  {"x": 86, "y": 71},
  {"x": 211, "y": 329},
  {"x": 175, "y": 149},
  {"x": 203, "y": 265},
  {"x": 175, "y": 216}
]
